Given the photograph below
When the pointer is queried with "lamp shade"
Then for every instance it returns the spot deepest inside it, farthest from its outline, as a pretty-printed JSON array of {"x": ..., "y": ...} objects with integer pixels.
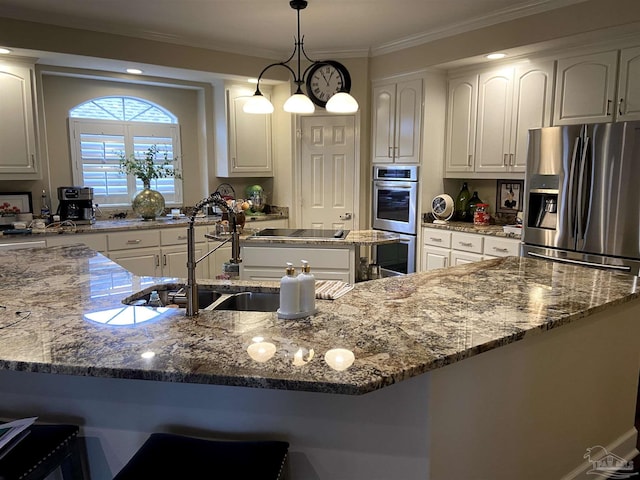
[
  {"x": 342, "y": 102},
  {"x": 299, "y": 103},
  {"x": 258, "y": 104}
]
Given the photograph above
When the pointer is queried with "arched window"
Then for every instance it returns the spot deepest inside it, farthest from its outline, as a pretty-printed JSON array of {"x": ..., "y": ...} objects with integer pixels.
[{"x": 103, "y": 129}]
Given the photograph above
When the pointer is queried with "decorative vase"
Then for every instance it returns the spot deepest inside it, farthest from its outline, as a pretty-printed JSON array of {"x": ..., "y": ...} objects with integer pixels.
[
  {"x": 241, "y": 218},
  {"x": 148, "y": 203}
]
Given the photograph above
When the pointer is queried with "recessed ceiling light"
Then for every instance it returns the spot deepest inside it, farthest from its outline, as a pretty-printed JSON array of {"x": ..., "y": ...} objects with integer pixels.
[
  {"x": 496, "y": 56},
  {"x": 4, "y": 50},
  {"x": 134, "y": 71}
]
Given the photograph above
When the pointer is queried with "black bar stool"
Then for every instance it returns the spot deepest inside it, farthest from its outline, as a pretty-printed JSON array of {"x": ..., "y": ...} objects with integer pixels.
[
  {"x": 44, "y": 449},
  {"x": 171, "y": 456}
]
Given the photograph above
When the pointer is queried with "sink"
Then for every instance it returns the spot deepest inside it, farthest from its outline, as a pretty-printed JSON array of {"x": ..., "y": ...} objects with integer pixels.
[
  {"x": 206, "y": 296},
  {"x": 250, "y": 301}
]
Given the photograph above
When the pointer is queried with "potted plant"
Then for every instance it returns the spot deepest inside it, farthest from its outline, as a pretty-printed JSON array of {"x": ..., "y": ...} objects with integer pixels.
[{"x": 148, "y": 203}]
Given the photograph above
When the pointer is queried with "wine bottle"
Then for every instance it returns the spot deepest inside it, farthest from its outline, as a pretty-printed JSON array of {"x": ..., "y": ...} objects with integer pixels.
[
  {"x": 461, "y": 203},
  {"x": 471, "y": 206}
]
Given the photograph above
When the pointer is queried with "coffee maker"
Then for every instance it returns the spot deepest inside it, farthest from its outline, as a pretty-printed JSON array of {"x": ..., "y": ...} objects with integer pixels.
[{"x": 76, "y": 204}]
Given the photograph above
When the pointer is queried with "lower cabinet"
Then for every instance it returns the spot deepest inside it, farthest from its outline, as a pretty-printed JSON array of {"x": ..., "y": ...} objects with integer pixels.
[
  {"x": 96, "y": 241},
  {"x": 266, "y": 262},
  {"x": 442, "y": 248}
]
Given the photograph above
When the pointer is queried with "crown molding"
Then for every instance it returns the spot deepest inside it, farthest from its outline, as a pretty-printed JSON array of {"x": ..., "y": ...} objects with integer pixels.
[{"x": 501, "y": 16}]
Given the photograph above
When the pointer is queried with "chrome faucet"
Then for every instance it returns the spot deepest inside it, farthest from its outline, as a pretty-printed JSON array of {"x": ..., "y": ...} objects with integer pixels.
[{"x": 192, "y": 286}]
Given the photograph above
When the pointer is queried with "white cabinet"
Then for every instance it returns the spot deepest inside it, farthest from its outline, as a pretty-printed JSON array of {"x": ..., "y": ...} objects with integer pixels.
[
  {"x": 19, "y": 159},
  {"x": 397, "y": 121},
  {"x": 96, "y": 241},
  {"x": 261, "y": 224},
  {"x": 248, "y": 151},
  {"x": 442, "y": 248},
  {"x": 491, "y": 136},
  {"x": 461, "y": 123},
  {"x": 157, "y": 252},
  {"x": 435, "y": 257},
  {"x": 267, "y": 262},
  {"x": 585, "y": 88},
  {"x": 629, "y": 85}
]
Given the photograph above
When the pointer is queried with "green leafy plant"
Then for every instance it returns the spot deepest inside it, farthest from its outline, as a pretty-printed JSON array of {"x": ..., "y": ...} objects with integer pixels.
[{"x": 146, "y": 168}]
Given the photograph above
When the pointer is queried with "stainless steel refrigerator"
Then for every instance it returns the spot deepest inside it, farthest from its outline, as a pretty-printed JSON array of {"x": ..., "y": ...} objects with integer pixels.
[{"x": 582, "y": 190}]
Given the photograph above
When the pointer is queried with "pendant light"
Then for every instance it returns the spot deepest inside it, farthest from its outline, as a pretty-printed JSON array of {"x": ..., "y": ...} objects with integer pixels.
[{"x": 340, "y": 102}]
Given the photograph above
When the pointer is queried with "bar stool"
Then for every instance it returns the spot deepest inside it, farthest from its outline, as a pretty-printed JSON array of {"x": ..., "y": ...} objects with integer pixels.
[
  {"x": 43, "y": 450},
  {"x": 171, "y": 456}
]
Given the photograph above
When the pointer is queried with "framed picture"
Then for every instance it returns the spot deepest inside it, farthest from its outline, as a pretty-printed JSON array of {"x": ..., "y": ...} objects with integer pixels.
[
  {"x": 16, "y": 202},
  {"x": 509, "y": 196}
]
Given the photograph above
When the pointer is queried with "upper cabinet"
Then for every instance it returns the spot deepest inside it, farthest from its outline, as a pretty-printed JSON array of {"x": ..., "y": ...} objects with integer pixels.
[
  {"x": 489, "y": 115},
  {"x": 589, "y": 88},
  {"x": 629, "y": 85},
  {"x": 18, "y": 159},
  {"x": 397, "y": 121},
  {"x": 585, "y": 89},
  {"x": 248, "y": 151}
]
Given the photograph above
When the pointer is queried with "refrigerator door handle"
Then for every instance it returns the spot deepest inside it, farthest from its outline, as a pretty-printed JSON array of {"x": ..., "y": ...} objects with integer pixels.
[
  {"x": 622, "y": 268},
  {"x": 582, "y": 197},
  {"x": 571, "y": 194}
]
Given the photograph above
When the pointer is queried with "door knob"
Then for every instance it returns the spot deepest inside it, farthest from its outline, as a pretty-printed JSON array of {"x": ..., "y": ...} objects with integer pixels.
[{"x": 346, "y": 216}]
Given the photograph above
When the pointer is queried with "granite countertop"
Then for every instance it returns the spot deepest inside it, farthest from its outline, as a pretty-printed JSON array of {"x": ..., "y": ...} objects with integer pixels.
[
  {"x": 67, "y": 317},
  {"x": 354, "y": 237},
  {"x": 469, "y": 227}
]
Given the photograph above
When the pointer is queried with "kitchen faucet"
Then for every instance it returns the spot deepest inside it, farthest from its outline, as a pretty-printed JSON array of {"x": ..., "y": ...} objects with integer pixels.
[{"x": 192, "y": 287}]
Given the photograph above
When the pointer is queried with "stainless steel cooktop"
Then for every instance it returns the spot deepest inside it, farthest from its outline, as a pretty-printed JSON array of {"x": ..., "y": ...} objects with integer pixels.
[{"x": 301, "y": 233}]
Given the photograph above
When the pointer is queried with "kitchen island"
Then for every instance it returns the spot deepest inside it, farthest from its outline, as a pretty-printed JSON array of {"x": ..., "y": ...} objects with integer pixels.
[
  {"x": 398, "y": 379},
  {"x": 265, "y": 257}
]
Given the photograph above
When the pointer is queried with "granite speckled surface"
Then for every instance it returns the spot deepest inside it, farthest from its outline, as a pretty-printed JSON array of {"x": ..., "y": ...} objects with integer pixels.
[
  {"x": 354, "y": 237},
  {"x": 469, "y": 227},
  {"x": 66, "y": 316}
]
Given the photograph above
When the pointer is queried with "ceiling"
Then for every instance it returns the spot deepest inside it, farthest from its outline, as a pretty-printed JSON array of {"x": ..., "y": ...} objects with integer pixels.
[{"x": 267, "y": 27}]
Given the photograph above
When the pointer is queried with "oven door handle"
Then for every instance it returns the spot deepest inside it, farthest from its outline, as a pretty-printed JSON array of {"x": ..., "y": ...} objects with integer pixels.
[{"x": 394, "y": 185}]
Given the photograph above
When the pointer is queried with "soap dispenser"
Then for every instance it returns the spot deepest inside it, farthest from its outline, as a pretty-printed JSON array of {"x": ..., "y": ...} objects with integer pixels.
[
  {"x": 289, "y": 294},
  {"x": 307, "y": 289}
]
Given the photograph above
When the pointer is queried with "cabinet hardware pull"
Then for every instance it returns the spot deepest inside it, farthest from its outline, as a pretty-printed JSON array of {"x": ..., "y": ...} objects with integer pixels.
[
  {"x": 389, "y": 152},
  {"x": 157, "y": 260},
  {"x": 620, "y": 112},
  {"x": 511, "y": 162},
  {"x": 505, "y": 160},
  {"x": 182, "y": 237},
  {"x": 435, "y": 239},
  {"x": 164, "y": 260},
  {"x": 466, "y": 244},
  {"x": 133, "y": 242},
  {"x": 608, "y": 107},
  {"x": 469, "y": 160},
  {"x": 501, "y": 249}
]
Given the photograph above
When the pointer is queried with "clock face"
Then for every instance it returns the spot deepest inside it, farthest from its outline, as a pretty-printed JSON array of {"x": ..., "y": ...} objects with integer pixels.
[{"x": 325, "y": 79}]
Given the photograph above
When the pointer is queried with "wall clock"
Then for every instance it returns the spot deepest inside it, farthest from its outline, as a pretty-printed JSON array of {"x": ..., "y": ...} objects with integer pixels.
[{"x": 325, "y": 79}]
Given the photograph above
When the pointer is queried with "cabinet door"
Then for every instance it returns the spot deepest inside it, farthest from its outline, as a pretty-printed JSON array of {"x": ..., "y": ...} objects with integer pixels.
[
  {"x": 408, "y": 121},
  {"x": 532, "y": 101},
  {"x": 628, "y": 107},
  {"x": 139, "y": 261},
  {"x": 461, "y": 123},
  {"x": 434, "y": 257},
  {"x": 174, "y": 261},
  {"x": 460, "y": 258},
  {"x": 585, "y": 88},
  {"x": 495, "y": 96},
  {"x": 17, "y": 134},
  {"x": 249, "y": 137},
  {"x": 383, "y": 122}
]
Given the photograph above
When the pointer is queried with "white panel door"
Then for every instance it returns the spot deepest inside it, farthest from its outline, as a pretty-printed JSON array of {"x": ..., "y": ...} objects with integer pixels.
[
  {"x": 585, "y": 88},
  {"x": 495, "y": 96},
  {"x": 384, "y": 126},
  {"x": 408, "y": 121},
  {"x": 629, "y": 85},
  {"x": 532, "y": 101},
  {"x": 328, "y": 172},
  {"x": 461, "y": 123}
]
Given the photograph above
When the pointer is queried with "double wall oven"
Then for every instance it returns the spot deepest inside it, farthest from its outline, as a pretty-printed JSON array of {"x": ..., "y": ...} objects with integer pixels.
[{"x": 395, "y": 209}]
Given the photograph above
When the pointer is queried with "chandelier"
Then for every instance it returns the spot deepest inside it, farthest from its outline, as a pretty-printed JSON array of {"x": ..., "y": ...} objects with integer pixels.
[{"x": 339, "y": 102}]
